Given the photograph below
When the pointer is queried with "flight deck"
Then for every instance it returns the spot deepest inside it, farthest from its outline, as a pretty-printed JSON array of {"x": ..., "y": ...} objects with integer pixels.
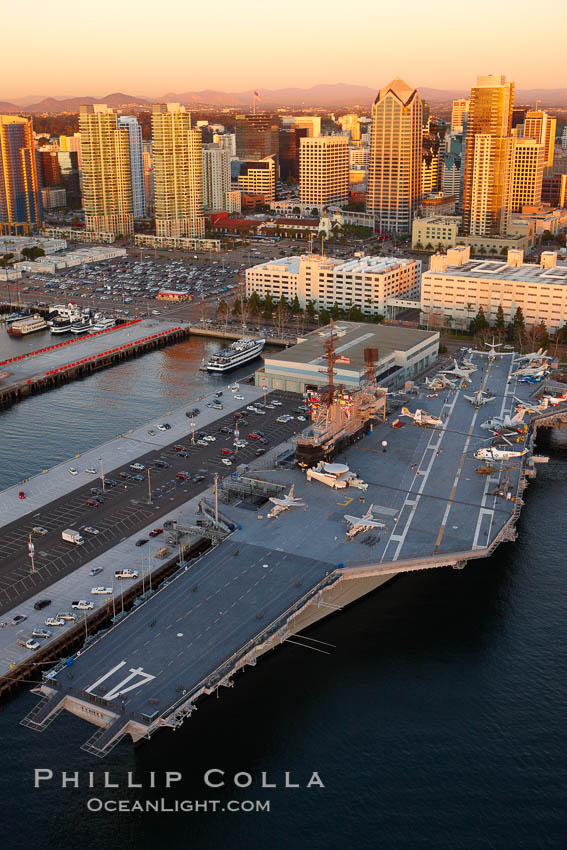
[{"x": 433, "y": 503}]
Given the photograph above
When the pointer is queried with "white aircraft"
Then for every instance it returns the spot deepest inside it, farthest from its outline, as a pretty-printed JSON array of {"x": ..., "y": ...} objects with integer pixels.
[
  {"x": 362, "y": 523},
  {"x": 439, "y": 382},
  {"x": 480, "y": 398},
  {"x": 422, "y": 417},
  {"x": 492, "y": 354},
  {"x": 492, "y": 453},
  {"x": 535, "y": 370},
  {"x": 289, "y": 501},
  {"x": 495, "y": 423},
  {"x": 535, "y": 355},
  {"x": 460, "y": 371},
  {"x": 553, "y": 399}
]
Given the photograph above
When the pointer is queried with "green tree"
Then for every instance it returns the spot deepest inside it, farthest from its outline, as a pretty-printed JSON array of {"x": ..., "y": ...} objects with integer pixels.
[
  {"x": 269, "y": 307},
  {"x": 500, "y": 324},
  {"x": 296, "y": 307},
  {"x": 310, "y": 310},
  {"x": 542, "y": 335},
  {"x": 336, "y": 311},
  {"x": 479, "y": 323},
  {"x": 254, "y": 304},
  {"x": 33, "y": 253},
  {"x": 237, "y": 308},
  {"x": 296, "y": 211},
  {"x": 324, "y": 317},
  {"x": 355, "y": 314},
  {"x": 314, "y": 213},
  {"x": 547, "y": 237}
]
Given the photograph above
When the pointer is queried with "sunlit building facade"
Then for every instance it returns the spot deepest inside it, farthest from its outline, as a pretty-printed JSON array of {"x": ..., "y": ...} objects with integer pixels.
[
  {"x": 395, "y": 157},
  {"x": 178, "y": 170},
  {"x": 489, "y": 158},
  {"x": 107, "y": 182},
  {"x": 20, "y": 200}
]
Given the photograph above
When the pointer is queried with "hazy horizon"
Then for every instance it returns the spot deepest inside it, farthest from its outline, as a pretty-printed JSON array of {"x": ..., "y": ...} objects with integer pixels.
[{"x": 124, "y": 49}]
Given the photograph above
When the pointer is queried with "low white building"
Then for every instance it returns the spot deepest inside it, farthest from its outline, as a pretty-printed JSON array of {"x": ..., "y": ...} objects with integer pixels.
[
  {"x": 402, "y": 354},
  {"x": 457, "y": 286},
  {"x": 16, "y": 244},
  {"x": 364, "y": 282},
  {"x": 69, "y": 259}
]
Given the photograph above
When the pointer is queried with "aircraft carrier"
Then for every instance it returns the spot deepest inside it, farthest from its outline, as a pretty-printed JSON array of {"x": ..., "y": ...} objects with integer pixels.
[{"x": 416, "y": 498}]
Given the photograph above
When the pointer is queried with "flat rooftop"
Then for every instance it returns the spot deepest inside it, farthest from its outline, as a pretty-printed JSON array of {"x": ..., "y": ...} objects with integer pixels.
[
  {"x": 351, "y": 339},
  {"x": 358, "y": 265},
  {"x": 526, "y": 273}
]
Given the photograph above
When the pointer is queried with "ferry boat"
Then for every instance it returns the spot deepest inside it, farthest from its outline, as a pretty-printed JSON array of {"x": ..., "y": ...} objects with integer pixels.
[
  {"x": 102, "y": 325},
  {"x": 27, "y": 325},
  {"x": 64, "y": 310},
  {"x": 82, "y": 326},
  {"x": 239, "y": 353},
  {"x": 62, "y": 324}
]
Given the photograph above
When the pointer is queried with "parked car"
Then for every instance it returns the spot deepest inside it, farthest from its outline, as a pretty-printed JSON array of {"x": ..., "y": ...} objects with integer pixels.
[
  {"x": 72, "y": 471},
  {"x": 17, "y": 619},
  {"x": 90, "y": 529},
  {"x": 155, "y": 531},
  {"x": 54, "y": 621},
  {"x": 82, "y": 605},
  {"x": 41, "y": 603},
  {"x": 95, "y": 571},
  {"x": 41, "y": 633},
  {"x": 38, "y": 529},
  {"x": 142, "y": 541}
]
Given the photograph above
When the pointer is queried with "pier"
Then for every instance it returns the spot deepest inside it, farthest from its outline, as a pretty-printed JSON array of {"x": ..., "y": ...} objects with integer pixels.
[{"x": 71, "y": 359}]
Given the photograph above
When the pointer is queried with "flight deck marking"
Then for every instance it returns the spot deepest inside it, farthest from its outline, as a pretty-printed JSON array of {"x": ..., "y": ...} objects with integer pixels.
[{"x": 459, "y": 468}]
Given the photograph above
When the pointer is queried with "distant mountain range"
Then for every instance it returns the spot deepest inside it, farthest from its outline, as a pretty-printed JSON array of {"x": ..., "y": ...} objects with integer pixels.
[{"x": 326, "y": 96}]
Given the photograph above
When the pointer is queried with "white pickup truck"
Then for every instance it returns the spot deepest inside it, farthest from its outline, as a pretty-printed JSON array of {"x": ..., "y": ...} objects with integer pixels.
[
  {"x": 72, "y": 536},
  {"x": 126, "y": 574}
]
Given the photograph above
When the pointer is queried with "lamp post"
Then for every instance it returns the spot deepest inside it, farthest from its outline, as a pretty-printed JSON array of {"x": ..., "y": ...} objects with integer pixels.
[
  {"x": 192, "y": 432},
  {"x": 149, "y": 488},
  {"x": 31, "y": 551},
  {"x": 101, "y": 473}
]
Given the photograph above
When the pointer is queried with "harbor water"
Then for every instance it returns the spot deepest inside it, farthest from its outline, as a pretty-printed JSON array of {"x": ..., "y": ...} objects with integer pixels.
[{"x": 437, "y": 720}]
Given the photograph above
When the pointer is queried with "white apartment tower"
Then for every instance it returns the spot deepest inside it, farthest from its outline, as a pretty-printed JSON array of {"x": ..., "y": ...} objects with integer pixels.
[
  {"x": 324, "y": 163},
  {"x": 216, "y": 177},
  {"x": 130, "y": 123},
  {"x": 178, "y": 167}
]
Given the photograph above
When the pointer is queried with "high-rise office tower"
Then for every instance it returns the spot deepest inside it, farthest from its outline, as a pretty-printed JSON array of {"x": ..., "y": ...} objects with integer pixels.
[
  {"x": 256, "y": 135},
  {"x": 255, "y": 177},
  {"x": 394, "y": 162},
  {"x": 324, "y": 165},
  {"x": 289, "y": 142},
  {"x": 107, "y": 183},
  {"x": 70, "y": 177},
  {"x": 131, "y": 124},
  {"x": 20, "y": 203},
  {"x": 453, "y": 167},
  {"x": 489, "y": 158},
  {"x": 459, "y": 114},
  {"x": 542, "y": 127},
  {"x": 49, "y": 170},
  {"x": 311, "y": 123},
  {"x": 178, "y": 168},
  {"x": 72, "y": 143},
  {"x": 350, "y": 124},
  {"x": 216, "y": 177},
  {"x": 528, "y": 173}
]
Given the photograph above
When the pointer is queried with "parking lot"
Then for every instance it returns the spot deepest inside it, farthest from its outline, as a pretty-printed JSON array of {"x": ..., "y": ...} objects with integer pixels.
[{"x": 126, "y": 505}]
